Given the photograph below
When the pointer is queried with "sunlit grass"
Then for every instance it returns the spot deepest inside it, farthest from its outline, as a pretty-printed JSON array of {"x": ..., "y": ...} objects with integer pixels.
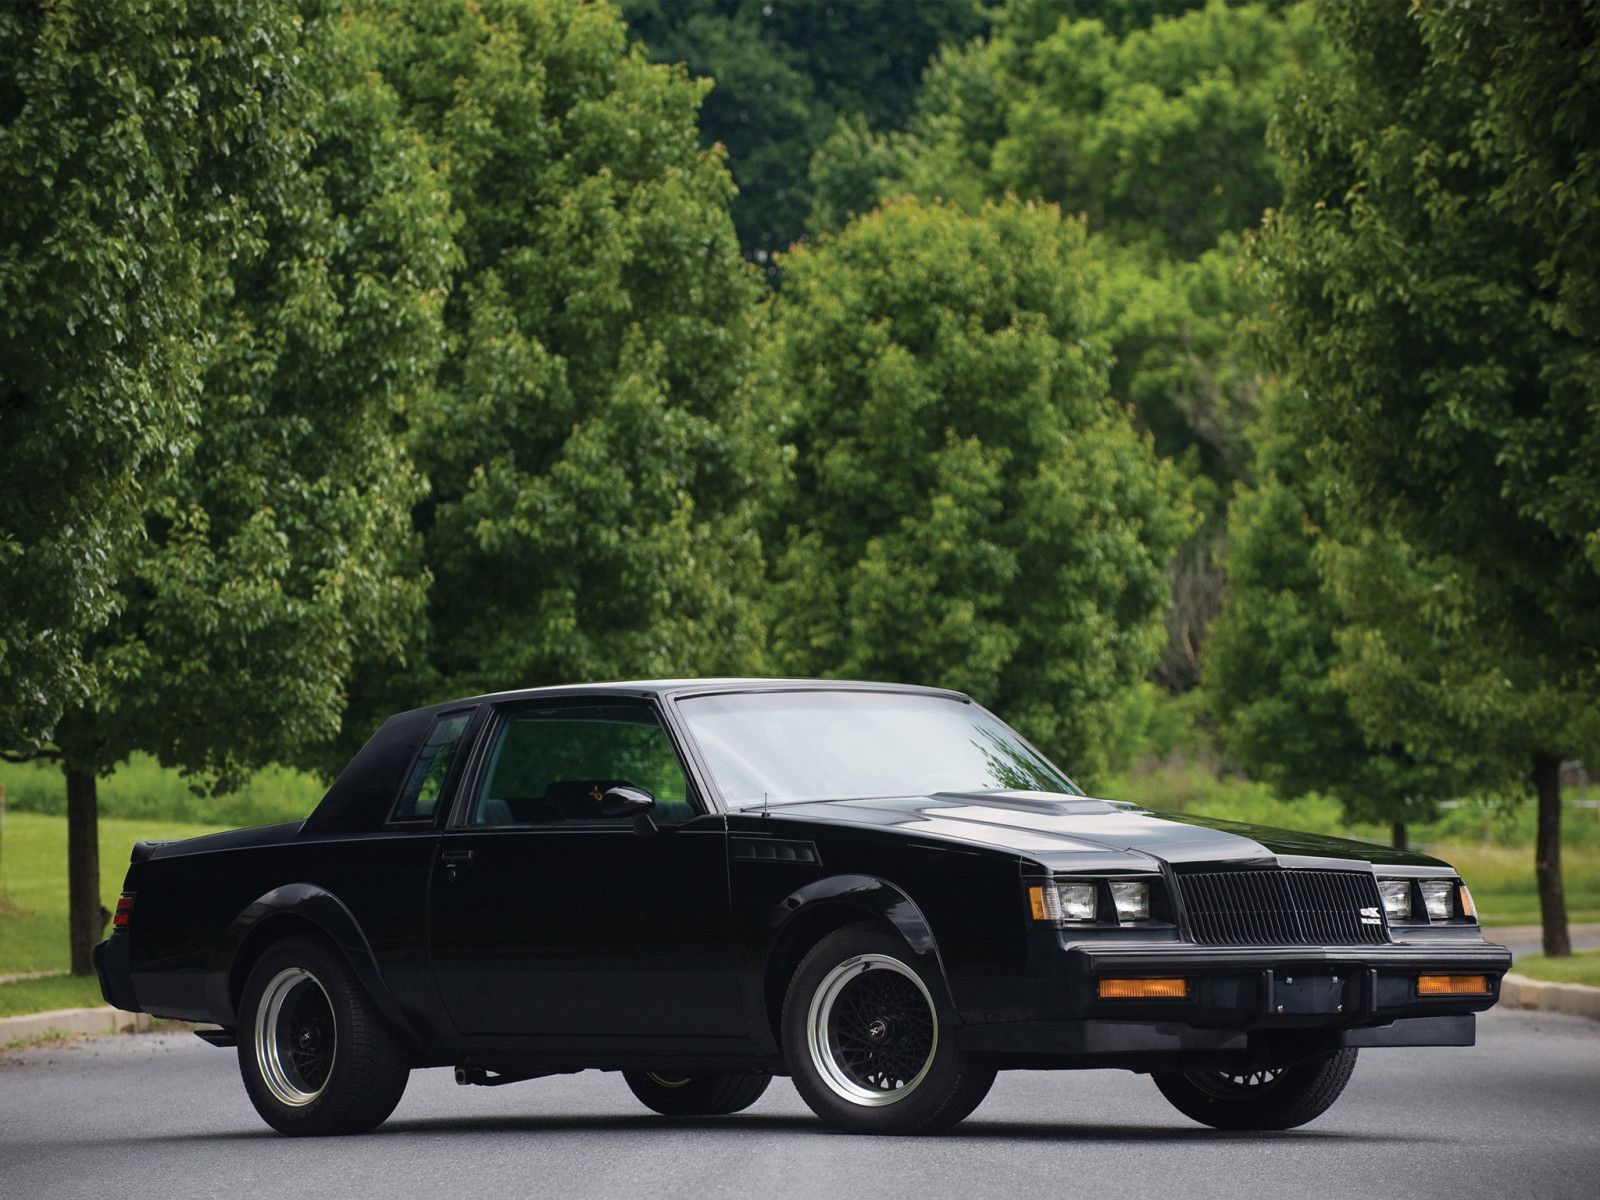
[{"x": 1582, "y": 967}]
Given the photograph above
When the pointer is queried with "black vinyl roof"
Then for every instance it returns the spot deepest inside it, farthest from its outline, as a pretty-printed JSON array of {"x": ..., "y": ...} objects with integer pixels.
[{"x": 360, "y": 798}]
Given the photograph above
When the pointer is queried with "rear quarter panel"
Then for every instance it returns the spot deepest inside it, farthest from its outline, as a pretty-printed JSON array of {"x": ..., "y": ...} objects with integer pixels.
[{"x": 192, "y": 899}]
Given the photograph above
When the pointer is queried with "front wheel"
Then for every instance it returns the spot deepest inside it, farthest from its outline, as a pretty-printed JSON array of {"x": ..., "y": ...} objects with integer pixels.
[
  {"x": 866, "y": 1043},
  {"x": 675, "y": 1095},
  {"x": 316, "y": 1056},
  {"x": 1281, "y": 1098}
]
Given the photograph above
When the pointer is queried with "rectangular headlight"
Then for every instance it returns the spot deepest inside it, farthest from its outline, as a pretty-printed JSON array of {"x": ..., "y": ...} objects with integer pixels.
[
  {"x": 1062, "y": 902},
  {"x": 1132, "y": 900},
  {"x": 1439, "y": 897},
  {"x": 1396, "y": 899},
  {"x": 1077, "y": 901}
]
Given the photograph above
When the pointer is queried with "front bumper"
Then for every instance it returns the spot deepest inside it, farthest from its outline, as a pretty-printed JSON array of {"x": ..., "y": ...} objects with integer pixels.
[
  {"x": 1263, "y": 1004},
  {"x": 1283, "y": 987}
]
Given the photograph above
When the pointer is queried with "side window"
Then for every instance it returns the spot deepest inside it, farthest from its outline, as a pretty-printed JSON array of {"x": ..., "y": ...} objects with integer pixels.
[
  {"x": 421, "y": 795},
  {"x": 553, "y": 765}
]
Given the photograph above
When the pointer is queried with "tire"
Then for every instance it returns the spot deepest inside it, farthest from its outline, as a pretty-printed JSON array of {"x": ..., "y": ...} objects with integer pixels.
[
  {"x": 675, "y": 1095},
  {"x": 1283, "y": 1099},
  {"x": 316, "y": 1056},
  {"x": 868, "y": 1047}
]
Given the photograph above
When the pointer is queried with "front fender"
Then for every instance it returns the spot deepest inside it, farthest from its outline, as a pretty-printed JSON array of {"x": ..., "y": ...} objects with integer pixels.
[
  {"x": 279, "y": 913},
  {"x": 872, "y": 897}
]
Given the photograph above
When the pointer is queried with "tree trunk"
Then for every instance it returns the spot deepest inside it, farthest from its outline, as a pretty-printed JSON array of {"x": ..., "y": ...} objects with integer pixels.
[
  {"x": 1398, "y": 835},
  {"x": 86, "y": 920},
  {"x": 1547, "y": 856}
]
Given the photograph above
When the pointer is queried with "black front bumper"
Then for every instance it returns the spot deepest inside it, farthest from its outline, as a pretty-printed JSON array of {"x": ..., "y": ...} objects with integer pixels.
[
  {"x": 1266, "y": 1004},
  {"x": 111, "y": 965},
  {"x": 1284, "y": 987}
]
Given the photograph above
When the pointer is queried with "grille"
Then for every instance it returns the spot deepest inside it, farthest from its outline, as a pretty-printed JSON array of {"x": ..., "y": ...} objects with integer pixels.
[{"x": 1282, "y": 908}]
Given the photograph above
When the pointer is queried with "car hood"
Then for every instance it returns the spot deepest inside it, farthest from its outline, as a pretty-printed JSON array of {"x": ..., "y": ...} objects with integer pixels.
[{"x": 1055, "y": 829}]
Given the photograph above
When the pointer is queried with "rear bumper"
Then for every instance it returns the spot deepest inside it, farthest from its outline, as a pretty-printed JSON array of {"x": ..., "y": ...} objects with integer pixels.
[{"x": 116, "y": 982}]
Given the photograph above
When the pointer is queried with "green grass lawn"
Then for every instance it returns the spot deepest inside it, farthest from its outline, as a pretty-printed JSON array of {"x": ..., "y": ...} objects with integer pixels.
[
  {"x": 1582, "y": 967},
  {"x": 1501, "y": 879},
  {"x": 33, "y": 883},
  {"x": 51, "y": 992}
]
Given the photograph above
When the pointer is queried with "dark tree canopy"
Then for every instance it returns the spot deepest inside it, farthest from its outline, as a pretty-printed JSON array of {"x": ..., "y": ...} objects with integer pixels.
[{"x": 786, "y": 73}]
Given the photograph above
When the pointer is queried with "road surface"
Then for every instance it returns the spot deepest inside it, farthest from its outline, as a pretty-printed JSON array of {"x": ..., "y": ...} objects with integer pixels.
[{"x": 165, "y": 1116}]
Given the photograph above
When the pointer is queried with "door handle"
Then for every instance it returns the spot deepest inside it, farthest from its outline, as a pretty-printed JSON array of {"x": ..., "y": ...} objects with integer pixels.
[{"x": 453, "y": 858}]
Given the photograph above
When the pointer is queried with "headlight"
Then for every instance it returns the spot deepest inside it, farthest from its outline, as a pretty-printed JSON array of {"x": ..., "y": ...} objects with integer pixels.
[
  {"x": 1061, "y": 902},
  {"x": 1438, "y": 896},
  {"x": 1132, "y": 900},
  {"x": 1396, "y": 899}
]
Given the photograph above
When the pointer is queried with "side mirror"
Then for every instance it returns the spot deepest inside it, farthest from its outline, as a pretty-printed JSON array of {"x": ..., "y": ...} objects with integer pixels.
[{"x": 630, "y": 802}]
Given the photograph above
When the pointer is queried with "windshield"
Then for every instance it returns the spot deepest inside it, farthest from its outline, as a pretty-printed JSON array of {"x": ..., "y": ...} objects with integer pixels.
[{"x": 782, "y": 747}]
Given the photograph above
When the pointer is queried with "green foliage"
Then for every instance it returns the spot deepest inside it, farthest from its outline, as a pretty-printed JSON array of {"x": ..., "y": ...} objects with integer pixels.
[
  {"x": 1155, "y": 131},
  {"x": 969, "y": 506},
  {"x": 276, "y": 559},
  {"x": 1450, "y": 405},
  {"x": 785, "y": 73},
  {"x": 595, "y": 451},
  {"x": 1535, "y": 118},
  {"x": 1270, "y": 676},
  {"x": 113, "y": 115}
]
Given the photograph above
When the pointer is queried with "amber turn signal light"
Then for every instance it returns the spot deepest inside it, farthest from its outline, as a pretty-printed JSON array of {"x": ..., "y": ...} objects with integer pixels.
[
  {"x": 1143, "y": 989},
  {"x": 1452, "y": 985},
  {"x": 1467, "y": 906}
]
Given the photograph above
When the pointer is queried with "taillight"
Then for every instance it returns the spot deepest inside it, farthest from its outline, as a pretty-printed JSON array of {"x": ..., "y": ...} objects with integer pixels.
[{"x": 119, "y": 919}]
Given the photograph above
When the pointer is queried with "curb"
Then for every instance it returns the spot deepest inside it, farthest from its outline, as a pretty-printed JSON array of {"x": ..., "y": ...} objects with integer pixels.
[
  {"x": 81, "y": 1022},
  {"x": 1575, "y": 999}
]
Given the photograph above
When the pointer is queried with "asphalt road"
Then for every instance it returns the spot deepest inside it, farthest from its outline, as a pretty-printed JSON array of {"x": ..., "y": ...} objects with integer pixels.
[{"x": 165, "y": 1116}]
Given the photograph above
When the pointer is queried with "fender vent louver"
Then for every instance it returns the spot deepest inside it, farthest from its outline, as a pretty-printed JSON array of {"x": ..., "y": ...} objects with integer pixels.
[{"x": 769, "y": 850}]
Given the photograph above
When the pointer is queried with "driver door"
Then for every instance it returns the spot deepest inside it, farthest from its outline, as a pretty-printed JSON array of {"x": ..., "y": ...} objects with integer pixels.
[{"x": 548, "y": 919}]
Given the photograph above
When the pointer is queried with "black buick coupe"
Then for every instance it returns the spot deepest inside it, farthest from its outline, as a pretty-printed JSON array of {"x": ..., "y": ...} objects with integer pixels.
[{"x": 882, "y": 892}]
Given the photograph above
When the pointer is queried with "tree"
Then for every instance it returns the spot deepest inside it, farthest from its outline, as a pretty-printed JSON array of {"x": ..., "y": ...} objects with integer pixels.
[
  {"x": 1154, "y": 128},
  {"x": 1271, "y": 681},
  {"x": 274, "y": 557},
  {"x": 785, "y": 73},
  {"x": 1449, "y": 379},
  {"x": 596, "y": 454},
  {"x": 969, "y": 507},
  {"x": 106, "y": 110},
  {"x": 1151, "y": 121}
]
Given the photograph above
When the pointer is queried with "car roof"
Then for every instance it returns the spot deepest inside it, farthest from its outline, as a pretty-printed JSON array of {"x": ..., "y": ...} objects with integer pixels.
[{"x": 678, "y": 688}]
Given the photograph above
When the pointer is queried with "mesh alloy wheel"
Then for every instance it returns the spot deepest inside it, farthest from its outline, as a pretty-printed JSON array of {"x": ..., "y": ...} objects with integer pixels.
[
  {"x": 866, "y": 1038},
  {"x": 315, "y": 1054},
  {"x": 295, "y": 1037},
  {"x": 872, "y": 1030}
]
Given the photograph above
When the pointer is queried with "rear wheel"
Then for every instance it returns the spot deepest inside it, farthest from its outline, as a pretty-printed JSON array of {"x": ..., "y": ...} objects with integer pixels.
[
  {"x": 673, "y": 1094},
  {"x": 315, "y": 1054},
  {"x": 867, "y": 1044},
  {"x": 1280, "y": 1098}
]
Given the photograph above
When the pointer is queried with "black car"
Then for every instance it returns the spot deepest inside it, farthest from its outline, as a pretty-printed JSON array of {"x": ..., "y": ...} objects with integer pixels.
[{"x": 883, "y": 892}]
